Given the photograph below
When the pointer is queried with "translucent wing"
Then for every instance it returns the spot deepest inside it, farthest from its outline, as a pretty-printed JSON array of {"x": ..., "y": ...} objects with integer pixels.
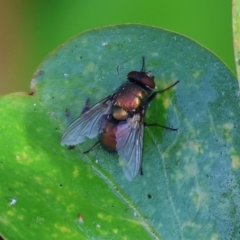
[
  {"x": 87, "y": 125},
  {"x": 129, "y": 138}
]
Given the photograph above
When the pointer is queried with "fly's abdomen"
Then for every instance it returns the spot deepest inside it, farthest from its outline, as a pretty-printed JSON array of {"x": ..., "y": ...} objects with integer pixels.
[{"x": 107, "y": 138}]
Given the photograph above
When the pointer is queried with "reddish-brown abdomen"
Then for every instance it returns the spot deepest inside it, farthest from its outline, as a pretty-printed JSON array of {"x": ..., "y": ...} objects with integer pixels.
[{"x": 108, "y": 137}]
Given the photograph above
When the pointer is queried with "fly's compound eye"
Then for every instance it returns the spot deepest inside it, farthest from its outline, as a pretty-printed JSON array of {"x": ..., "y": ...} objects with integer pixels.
[
  {"x": 148, "y": 81},
  {"x": 134, "y": 75},
  {"x": 141, "y": 77}
]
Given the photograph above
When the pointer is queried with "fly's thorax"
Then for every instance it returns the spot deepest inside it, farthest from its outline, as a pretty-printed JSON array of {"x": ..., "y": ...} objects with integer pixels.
[
  {"x": 107, "y": 138},
  {"x": 130, "y": 97}
]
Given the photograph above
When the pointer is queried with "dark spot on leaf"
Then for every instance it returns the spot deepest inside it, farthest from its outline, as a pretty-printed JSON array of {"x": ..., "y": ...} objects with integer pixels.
[
  {"x": 60, "y": 185},
  {"x": 67, "y": 113},
  {"x": 149, "y": 196},
  {"x": 118, "y": 70},
  {"x": 52, "y": 97}
]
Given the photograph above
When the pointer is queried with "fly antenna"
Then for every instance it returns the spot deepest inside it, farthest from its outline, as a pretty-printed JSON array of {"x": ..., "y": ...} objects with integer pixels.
[{"x": 143, "y": 64}]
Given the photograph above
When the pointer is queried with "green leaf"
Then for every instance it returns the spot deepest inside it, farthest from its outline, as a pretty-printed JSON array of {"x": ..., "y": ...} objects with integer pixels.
[
  {"x": 190, "y": 186},
  {"x": 236, "y": 35}
]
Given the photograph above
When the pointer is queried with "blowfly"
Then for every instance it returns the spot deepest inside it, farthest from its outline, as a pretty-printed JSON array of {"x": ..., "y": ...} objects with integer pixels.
[{"x": 118, "y": 121}]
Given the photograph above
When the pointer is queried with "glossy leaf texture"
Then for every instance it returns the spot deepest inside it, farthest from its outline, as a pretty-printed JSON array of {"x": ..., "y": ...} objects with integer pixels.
[{"x": 190, "y": 183}]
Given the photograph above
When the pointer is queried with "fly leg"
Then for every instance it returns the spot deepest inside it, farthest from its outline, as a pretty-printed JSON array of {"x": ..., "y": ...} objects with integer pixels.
[
  {"x": 91, "y": 148},
  {"x": 86, "y": 107},
  {"x": 161, "y": 91},
  {"x": 158, "y": 125},
  {"x": 71, "y": 147}
]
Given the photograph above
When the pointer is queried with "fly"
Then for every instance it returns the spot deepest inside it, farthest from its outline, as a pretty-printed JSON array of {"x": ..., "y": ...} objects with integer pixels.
[{"x": 118, "y": 121}]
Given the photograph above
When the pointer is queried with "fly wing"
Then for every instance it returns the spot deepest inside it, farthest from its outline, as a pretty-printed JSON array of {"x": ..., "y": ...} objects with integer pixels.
[
  {"x": 129, "y": 138},
  {"x": 87, "y": 125}
]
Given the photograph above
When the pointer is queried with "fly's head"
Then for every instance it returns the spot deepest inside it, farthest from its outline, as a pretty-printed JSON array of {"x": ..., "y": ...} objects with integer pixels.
[{"x": 142, "y": 78}]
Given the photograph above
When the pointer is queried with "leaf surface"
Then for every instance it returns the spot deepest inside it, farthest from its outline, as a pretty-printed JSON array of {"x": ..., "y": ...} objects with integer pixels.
[{"x": 190, "y": 183}]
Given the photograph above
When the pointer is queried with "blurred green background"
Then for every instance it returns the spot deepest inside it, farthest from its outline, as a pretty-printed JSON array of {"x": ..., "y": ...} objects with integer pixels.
[{"x": 31, "y": 29}]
